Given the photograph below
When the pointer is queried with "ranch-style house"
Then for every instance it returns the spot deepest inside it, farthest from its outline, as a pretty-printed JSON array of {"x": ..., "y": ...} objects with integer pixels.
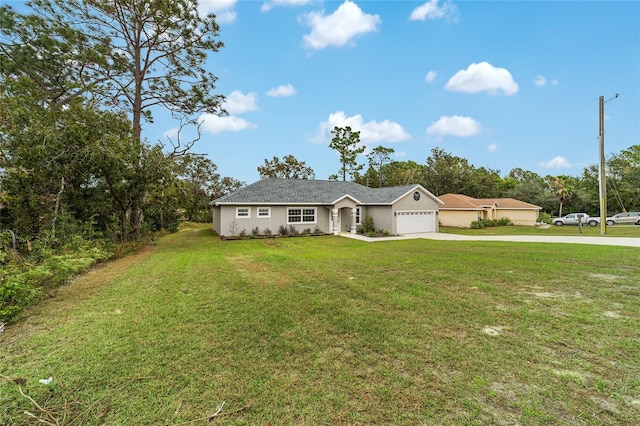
[{"x": 327, "y": 206}]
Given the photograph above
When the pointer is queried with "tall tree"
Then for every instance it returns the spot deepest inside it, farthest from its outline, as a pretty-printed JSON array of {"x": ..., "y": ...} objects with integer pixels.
[
  {"x": 624, "y": 178},
  {"x": 288, "y": 168},
  {"x": 346, "y": 141},
  {"x": 379, "y": 157},
  {"x": 446, "y": 173},
  {"x": 562, "y": 190},
  {"x": 530, "y": 187},
  {"x": 147, "y": 54}
]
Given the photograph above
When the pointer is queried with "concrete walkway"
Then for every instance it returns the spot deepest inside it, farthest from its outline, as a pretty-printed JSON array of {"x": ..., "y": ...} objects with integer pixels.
[{"x": 608, "y": 241}]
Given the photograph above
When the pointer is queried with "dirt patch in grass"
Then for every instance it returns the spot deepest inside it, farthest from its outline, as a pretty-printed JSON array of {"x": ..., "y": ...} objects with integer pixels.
[
  {"x": 607, "y": 277},
  {"x": 493, "y": 330}
]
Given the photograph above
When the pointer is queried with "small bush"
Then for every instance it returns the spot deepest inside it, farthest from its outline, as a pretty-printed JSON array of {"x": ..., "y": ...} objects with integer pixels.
[
  {"x": 367, "y": 225},
  {"x": 243, "y": 233},
  {"x": 267, "y": 232},
  {"x": 317, "y": 230},
  {"x": 293, "y": 230},
  {"x": 489, "y": 223},
  {"x": 255, "y": 231},
  {"x": 544, "y": 218},
  {"x": 283, "y": 230},
  {"x": 307, "y": 231}
]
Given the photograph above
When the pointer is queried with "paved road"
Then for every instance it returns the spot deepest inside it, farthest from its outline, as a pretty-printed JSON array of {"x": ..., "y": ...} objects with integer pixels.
[{"x": 609, "y": 241}]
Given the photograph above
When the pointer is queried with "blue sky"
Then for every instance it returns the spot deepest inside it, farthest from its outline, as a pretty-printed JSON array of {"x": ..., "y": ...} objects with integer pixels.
[{"x": 504, "y": 84}]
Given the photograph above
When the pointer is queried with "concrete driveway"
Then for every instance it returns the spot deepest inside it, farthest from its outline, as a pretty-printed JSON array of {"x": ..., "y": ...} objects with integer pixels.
[{"x": 607, "y": 241}]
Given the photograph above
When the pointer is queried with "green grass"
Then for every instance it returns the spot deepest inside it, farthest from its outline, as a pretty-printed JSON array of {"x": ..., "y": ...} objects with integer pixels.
[
  {"x": 612, "y": 231},
  {"x": 329, "y": 330}
]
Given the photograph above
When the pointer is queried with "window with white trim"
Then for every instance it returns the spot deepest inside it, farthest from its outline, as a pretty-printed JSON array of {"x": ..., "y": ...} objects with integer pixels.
[
  {"x": 243, "y": 212},
  {"x": 301, "y": 215},
  {"x": 358, "y": 216},
  {"x": 264, "y": 212}
]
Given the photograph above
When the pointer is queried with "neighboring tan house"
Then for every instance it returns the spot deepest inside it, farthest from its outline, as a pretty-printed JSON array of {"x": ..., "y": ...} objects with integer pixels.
[
  {"x": 327, "y": 206},
  {"x": 459, "y": 210}
]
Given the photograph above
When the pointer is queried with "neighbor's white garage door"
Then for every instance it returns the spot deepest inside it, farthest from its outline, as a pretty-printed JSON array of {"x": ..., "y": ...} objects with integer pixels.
[{"x": 409, "y": 222}]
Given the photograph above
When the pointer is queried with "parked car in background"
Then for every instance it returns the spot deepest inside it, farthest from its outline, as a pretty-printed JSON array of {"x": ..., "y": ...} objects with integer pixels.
[
  {"x": 629, "y": 218},
  {"x": 573, "y": 218}
]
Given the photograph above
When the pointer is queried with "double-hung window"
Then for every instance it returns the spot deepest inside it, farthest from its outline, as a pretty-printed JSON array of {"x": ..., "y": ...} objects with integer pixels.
[
  {"x": 243, "y": 212},
  {"x": 301, "y": 215},
  {"x": 264, "y": 212}
]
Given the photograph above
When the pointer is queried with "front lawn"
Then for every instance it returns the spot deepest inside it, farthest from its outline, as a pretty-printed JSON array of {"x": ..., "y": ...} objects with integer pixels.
[
  {"x": 590, "y": 231},
  {"x": 330, "y": 330}
]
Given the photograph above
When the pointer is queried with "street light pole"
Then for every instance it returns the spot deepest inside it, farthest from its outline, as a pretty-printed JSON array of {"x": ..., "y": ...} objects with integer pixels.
[{"x": 603, "y": 175}]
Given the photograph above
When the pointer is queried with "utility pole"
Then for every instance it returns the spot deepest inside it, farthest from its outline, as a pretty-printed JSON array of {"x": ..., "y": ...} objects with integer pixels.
[{"x": 603, "y": 175}]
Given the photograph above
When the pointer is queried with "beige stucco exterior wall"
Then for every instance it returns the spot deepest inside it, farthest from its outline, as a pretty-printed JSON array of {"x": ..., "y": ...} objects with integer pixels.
[
  {"x": 382, "y": 217},
  {"x": 225, "y": 216},
  {"x": 459, "y": 218},
  {"x": 463, "y": 218},
  {"x": 519, "y": 217}
]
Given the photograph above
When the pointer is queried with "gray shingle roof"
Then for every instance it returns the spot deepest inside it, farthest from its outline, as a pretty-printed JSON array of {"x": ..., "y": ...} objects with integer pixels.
[{"x": 301, "y": 191}]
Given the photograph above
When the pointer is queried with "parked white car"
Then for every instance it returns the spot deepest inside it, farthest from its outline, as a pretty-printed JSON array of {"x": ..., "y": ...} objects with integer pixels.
[
  {"x": 572, "y": 219},
  {"x": 624, "y": 218}
]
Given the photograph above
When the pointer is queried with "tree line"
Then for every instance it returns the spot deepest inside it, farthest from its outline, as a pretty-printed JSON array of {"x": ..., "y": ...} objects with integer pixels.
[{"x": 444, "y": 173}]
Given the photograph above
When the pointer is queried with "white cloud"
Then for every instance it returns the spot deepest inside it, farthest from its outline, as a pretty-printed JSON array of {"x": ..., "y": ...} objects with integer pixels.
[
  {"x": 540, "y": 81},
  {"x": 214, "y": 124},
  {"x": 222, "y": 8},
  {"x": 171, "y": 133},
  {"x": 268, "y": 5},
  {"x": 370, "y": 132},
  {"x": 237, "y": 103},
  {"x": 492, "y": 147},
  {"x": 431, "y": 76},
  {"x": 558, "y": 162},
  {"x": 338, "y": 28},
  {"x": 483, "y": 77},
  {"x": 282, "y": 91},
  {"x": 456, "y": 125},
  {"x": 431, "y": 10}
]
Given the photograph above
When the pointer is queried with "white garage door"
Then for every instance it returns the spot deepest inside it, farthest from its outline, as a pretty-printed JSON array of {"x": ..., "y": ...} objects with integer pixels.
[{"x": 409, "y": 222}]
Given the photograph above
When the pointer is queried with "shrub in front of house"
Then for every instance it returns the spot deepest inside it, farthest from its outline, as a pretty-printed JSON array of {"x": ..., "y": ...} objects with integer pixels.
[
  {"x": 367, "y": 226},
  {"x": 544, "y": 218},
  {"x": 283, "y": 230},
  {"x": 489, "y": 223}
]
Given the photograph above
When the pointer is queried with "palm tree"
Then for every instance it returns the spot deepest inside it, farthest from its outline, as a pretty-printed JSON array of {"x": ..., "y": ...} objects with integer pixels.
[{"x": 562, "y": 191}]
